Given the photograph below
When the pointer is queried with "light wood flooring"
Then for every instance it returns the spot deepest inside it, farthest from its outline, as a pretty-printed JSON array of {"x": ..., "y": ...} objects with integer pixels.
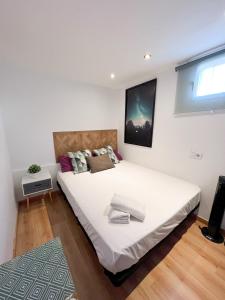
[{"x": 184, "y": 266}]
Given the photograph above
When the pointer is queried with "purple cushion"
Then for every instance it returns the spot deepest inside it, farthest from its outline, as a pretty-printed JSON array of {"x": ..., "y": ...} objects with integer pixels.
[
  {"x": 118, "y": 155},
  {"x": 65, "y": 163}
]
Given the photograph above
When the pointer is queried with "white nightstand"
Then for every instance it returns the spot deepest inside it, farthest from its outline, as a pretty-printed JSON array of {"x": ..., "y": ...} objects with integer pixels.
[{"x": 32, "y": 186}]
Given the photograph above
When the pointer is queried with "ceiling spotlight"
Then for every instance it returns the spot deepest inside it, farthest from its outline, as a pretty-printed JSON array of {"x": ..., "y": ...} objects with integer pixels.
[
  {"x": 147, "y": 56},
  {"x": 112, "y": 75}
]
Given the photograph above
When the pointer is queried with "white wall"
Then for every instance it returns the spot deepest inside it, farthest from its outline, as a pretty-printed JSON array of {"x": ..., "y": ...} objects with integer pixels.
[
  {"x": 35, "y": 105},
  {"x": 175, "y": 137},
  {"x": 8, "y": 208}
]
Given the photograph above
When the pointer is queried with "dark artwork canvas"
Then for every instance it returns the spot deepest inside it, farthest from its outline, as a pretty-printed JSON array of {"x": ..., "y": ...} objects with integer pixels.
[{"x": 139, "y": 118}]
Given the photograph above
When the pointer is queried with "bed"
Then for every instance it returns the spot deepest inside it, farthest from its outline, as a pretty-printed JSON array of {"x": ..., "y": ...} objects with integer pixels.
[{"x": 168, "y": 201}]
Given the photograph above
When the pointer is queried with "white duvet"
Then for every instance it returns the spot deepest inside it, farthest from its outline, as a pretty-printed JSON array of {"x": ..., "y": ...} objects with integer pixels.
[{"x": 168, "y": 200}]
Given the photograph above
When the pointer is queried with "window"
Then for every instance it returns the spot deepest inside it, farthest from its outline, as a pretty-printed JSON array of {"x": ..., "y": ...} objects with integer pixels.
[
  {"x": 211, "y": 79},
  {"x": 201, "y": 85}
]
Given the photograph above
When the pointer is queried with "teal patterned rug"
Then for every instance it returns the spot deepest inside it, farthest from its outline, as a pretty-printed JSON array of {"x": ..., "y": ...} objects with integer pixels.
[{"x": 41, "y": 273}]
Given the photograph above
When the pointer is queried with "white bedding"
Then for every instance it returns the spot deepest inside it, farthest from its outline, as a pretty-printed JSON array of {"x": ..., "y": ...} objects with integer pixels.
[{"x": 168, "y": 200}]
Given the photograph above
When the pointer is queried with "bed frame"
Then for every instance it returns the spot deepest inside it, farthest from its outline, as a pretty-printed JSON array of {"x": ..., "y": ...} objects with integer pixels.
[
  {"x": 77, "y": 140},
  {"x": 65, "y": 141}
]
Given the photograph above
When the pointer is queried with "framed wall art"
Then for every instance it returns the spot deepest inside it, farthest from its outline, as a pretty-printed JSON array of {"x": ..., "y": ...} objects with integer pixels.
[{"x": 139, "y": 114}]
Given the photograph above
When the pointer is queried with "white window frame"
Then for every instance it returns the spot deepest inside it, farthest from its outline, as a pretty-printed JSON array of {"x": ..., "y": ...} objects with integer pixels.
[{"x": 203, "y": 66}]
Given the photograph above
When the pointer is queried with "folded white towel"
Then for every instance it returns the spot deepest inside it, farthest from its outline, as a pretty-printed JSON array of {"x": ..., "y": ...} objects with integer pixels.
[
  {"x": 117, "y": 216},
  {"x": 117, "y": 221},
  {"x": 128, "y": 205}
]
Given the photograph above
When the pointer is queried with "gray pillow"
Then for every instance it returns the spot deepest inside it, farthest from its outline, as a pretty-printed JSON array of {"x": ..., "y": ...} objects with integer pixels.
[
  {"x": 100, "y": 163},
  {"x": 107, "y": 150}
]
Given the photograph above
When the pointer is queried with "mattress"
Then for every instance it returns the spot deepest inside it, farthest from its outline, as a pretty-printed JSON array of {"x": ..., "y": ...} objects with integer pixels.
[{"x": 168, "y": 201}]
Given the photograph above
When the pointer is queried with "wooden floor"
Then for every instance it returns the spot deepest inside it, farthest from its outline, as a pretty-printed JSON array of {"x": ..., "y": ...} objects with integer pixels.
[{"x": 184, "y": 266}]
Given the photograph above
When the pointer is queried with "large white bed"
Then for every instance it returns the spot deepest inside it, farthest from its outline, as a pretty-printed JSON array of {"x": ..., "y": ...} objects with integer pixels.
[{"x": 168, "y": 201}]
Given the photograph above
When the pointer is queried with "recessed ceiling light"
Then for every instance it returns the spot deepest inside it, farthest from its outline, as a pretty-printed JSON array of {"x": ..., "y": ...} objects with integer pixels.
[
  {"x": 147, "y": 56},
  {"x": 112, "y": 75}
]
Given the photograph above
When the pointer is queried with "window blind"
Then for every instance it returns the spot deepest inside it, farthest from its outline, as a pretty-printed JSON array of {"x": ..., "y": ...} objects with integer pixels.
[{"x": 201, "y": 85}]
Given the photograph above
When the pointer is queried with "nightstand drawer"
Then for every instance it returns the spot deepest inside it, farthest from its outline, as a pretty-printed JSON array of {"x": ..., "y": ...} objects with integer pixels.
[{"x": 37, "y": 186}]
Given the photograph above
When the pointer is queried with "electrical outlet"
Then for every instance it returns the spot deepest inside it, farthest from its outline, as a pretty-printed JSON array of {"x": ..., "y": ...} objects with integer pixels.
[{"x": 196, "y": 155}]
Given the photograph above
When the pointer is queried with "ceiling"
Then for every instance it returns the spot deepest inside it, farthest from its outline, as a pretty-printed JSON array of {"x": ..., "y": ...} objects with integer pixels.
[{"x": 85, "y": 40}]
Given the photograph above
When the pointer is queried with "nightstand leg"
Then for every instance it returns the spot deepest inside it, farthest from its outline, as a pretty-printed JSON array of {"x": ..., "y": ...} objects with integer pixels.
[
  {"x": 50, "y": 195},
  {"x": 28, "y": 203}
]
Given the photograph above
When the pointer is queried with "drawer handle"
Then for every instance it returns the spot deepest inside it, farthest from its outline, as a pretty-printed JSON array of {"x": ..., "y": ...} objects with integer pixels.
[{"x": 37, "y": 185}]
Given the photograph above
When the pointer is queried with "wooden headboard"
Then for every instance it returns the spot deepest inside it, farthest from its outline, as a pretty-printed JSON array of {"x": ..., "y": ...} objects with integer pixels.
[{"x": 77, "y": 140}]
